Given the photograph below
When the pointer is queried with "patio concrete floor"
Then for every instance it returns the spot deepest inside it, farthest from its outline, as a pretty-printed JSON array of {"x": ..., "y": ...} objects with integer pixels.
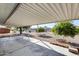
[{"x": 24, "y": 46}]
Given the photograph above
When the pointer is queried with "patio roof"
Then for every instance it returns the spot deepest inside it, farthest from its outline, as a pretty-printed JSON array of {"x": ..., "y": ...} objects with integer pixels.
[
  {"x": 5, "y": 11},
  {"x": 26, "y": 14}
]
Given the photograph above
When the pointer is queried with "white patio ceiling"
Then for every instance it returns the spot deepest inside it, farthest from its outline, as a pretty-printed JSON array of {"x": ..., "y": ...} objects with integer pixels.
[
  {"x": 37, "y": 13},
  {"x": 5, "y": 10}
]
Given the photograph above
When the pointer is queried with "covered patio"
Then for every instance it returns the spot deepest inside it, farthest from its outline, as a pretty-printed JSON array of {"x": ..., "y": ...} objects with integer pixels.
[{"x": 28, "y": 14}]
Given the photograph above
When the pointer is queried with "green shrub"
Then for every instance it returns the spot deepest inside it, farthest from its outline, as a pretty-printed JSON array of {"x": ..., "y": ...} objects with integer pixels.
[
  {"x": 65, "y": 28},
  {"x": 40, "y": 29},
  {"x": 77, "y": 30}
]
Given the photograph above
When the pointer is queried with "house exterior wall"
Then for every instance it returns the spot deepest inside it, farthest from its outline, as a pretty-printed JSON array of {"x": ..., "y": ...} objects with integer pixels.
[{"x": 4, "y": 30}]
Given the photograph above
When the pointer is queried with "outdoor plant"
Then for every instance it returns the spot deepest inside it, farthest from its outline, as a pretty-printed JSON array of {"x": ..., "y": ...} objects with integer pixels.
[
  {"x": 40, "y": 29},
  {"x": 26, "y": 27},
  {"x": 65, "y": 29},
  {"x": 77, "y": 30},
  {"x": 23, "y": 28}
]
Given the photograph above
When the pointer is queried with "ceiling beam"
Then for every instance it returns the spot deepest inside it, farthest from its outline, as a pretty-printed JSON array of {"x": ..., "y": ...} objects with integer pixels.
[{"x": 15, "y": 8}]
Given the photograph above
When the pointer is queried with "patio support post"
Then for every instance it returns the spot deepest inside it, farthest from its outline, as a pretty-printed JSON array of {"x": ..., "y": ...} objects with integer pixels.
[{"x": 20, "y": 30}]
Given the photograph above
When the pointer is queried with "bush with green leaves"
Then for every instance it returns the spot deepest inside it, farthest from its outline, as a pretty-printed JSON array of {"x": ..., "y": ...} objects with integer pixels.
[
  {"x": 65, "y": 28},
  {"x": 77, "y": 30},
  {"x": 40, "y": 29}
]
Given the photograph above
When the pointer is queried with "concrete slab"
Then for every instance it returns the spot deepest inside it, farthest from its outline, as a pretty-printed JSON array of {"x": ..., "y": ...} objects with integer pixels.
[{"x": 24, "y": 46}]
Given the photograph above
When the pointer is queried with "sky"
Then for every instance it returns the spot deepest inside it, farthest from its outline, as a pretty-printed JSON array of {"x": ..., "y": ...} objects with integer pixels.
[
  {"x": 50, "y": 25},
  {"x": 76, "y": 22}
]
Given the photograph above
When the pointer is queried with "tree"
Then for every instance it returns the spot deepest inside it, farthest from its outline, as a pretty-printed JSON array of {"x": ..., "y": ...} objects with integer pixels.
[
  {"x": 21, "y": 29},
  {"x": 26, "y": 27},
  {"x": 41, "y": 29},
  {"x": 65, "y": 28}
]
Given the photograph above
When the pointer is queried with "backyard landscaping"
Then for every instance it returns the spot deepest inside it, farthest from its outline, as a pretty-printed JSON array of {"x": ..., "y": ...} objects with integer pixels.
[{"x": 64, "y": 29}]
